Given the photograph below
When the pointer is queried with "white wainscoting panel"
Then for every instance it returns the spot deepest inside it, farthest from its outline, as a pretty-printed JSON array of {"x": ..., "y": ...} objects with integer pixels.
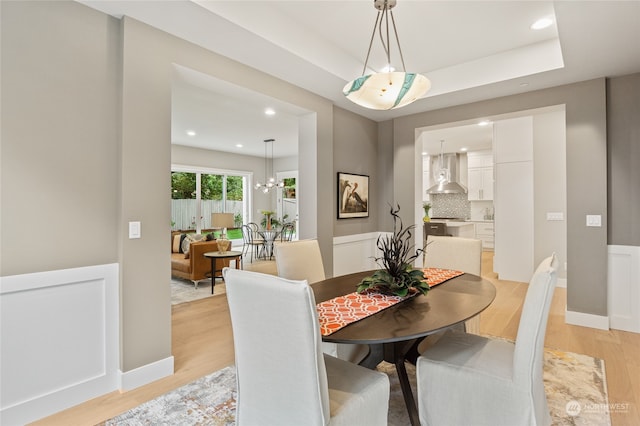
[
  {"x": 623, "y": 284},
  {"x": 59, "y": 340},
  {"x": 354, "y": 253}
]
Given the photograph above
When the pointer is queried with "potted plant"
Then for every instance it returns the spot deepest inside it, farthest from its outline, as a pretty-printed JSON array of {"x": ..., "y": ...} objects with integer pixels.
[
  {"x": 266, "y": 220},
  {"x": 396, "y": 275}
]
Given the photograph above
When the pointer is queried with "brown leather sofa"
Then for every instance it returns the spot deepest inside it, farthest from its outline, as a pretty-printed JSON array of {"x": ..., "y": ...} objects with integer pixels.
[{"x": 195, "y": 266}]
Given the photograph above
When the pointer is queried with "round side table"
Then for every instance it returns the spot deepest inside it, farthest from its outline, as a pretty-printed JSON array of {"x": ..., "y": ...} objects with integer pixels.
[{"x": 214, "y": 256}]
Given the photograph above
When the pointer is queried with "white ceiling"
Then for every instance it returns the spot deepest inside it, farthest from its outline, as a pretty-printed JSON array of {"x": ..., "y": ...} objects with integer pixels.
[
  {"x": 459, "y": 138},
  {"x": 470, "y": 50}
]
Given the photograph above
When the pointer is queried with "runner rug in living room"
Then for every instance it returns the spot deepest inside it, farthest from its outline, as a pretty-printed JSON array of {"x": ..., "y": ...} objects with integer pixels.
[
  {"x": 185, "y": 291},
  {"x": 571, "y": 380}
]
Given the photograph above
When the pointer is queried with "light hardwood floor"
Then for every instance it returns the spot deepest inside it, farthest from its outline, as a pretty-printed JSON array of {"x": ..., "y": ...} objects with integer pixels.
[{"x": 203, "y": 343}]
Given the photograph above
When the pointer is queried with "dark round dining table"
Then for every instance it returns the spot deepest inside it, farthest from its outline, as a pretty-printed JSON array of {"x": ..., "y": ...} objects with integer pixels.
[{"x": 393, "y": 333}]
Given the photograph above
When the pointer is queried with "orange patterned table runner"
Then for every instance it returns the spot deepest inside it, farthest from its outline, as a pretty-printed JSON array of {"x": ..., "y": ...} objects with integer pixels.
[
  {"x": 341, "y": 311},
  {"x": 437, "y": 276}
]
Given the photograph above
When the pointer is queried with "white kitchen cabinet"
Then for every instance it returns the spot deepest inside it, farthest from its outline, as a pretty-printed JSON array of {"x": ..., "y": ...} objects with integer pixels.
[
  {"x": 426, "y": 180},
  {"x": 481, "y": 184},
  {"x": 513, "y": 201},
  {"x": 484, "y": 232},
  {"x": 480, "y": 175},
  {"x": 479, "y": 159}
]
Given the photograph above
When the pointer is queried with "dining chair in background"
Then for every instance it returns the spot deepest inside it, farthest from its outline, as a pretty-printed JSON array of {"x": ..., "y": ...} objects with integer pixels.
[
  {"x": 495, "y": 382},
  {"x": 302, "y": 260},
  {"x": 250, "y": 243},
  {"x": 255, "y": 232},
  {"x": 287, "y": 231},
  {"x": 462, "y": 254},
  {"x": 282, "y": 376}
]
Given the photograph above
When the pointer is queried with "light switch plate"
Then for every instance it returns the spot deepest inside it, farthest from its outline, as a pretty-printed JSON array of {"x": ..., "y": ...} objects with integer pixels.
[
  {"x": 134, "y": 230},
  {"x": 594, "y": 220},
  {"x": 555, "y": 216}
]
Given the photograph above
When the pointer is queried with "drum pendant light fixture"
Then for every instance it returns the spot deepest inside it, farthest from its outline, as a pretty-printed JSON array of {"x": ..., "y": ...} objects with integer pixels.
[{"x": 388, "y": 89}]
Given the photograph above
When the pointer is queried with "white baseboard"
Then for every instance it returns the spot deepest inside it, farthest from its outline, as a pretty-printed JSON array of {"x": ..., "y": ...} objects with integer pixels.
[
  {"x": 587, "y": 320},
  {"x": 146, "y": 374}
]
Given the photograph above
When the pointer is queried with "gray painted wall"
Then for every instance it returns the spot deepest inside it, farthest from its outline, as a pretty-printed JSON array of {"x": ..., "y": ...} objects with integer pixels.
[
  {"x": 145, "y": 167},
  {"x": 356, "y": 141},
  {"x": 623, "y": 135},
  {"x": 59, "y": 137},
  {"x": 149, "y": 56},
  {"x": 86, "y": 149},
  {"x": 586, "y": 174},
  {"x": 385, "y": 170}
]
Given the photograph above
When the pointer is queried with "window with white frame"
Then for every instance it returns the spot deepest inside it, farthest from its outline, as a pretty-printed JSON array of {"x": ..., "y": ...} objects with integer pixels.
[{"x": 196, "y": 193}]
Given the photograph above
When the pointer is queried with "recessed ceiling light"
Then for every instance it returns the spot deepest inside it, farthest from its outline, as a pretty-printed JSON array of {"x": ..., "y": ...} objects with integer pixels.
[
  {"x": 463, "y": 149},
  {"x": 270, "y": 111},
  {"x": 238, "y": 145},
  {"x": 524, "y": 84},
  {"x": 425, "y": 153},
  {"x": 483, "y": 123},
  {"x": 191, "y": 133},
  {"x": 542, "y": 23}
]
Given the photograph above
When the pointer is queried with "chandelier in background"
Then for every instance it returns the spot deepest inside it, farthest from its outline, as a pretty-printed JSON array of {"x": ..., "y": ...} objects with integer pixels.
[
  {"x": 269, "y": 182},
  {"x": 388, "y": 89}
]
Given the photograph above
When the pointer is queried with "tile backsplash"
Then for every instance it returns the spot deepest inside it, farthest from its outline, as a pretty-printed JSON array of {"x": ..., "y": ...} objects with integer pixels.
[{"x": 450, "y": 205}]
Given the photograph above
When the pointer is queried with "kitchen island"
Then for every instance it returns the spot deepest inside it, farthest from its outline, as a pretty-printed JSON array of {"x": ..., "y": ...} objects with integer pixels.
[{"x": 458, "y": 228}]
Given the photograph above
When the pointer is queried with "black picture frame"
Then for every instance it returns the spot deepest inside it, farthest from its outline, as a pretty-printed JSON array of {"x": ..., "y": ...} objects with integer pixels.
[{"x": 353, "y": 195}]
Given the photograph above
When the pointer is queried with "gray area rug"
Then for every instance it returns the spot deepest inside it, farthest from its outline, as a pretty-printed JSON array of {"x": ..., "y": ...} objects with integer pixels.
[
  {"x": 571, "y": 380},
  {"x": 184, "y": 290}
]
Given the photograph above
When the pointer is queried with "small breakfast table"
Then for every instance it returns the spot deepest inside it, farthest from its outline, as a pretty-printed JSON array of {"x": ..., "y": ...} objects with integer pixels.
[
  {"x": 392, "y": 332},
  {"x": 269, "y": 236},
  {"x": 214, "y": 256}
]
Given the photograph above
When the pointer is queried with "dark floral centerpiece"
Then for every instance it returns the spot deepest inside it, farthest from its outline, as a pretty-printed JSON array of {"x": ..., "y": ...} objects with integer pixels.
[{"x": 396, "y": 276}]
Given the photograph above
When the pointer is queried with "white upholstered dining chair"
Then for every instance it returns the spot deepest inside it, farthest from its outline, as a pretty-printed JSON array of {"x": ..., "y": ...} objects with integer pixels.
[
  {"x": 462, "y": 254},
  {"x": 495, "y": 382},
  {"x": 302, "y": 260},
  {"x": 282, "y": 375}
]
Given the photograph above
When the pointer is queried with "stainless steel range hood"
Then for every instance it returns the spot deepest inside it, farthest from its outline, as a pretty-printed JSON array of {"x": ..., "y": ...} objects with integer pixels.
[{"x": 446, "y": 174}]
